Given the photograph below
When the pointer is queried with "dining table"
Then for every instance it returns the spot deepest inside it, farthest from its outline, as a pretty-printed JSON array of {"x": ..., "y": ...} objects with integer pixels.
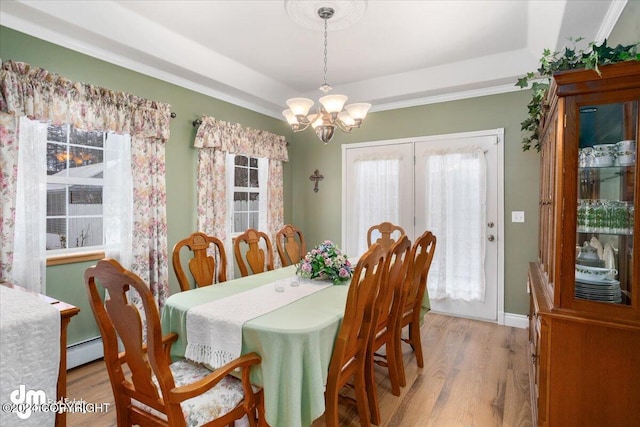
[{"x": 295, "y": 339}]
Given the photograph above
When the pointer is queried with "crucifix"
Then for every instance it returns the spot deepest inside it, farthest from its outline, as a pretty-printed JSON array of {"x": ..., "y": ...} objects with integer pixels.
[{"x": 316, "y": 177}]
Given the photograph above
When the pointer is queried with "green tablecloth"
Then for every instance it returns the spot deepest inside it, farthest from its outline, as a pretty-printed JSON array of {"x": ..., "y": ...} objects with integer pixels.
[{"x": 294, "y": 341}]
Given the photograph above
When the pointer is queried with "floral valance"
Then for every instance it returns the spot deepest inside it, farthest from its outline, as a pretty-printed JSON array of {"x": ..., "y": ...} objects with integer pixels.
[
  {"x": 234, "y": 138},
  {"x": 41, "y": 95}
]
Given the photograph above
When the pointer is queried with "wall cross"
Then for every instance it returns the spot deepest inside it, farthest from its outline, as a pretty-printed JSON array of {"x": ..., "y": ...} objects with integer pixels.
[{"x": 316, "y": 177}]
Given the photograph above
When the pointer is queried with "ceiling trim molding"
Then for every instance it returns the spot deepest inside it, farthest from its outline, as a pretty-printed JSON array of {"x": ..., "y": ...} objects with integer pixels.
[
  {"x": 609, "y": 21},
  {"x": 452, "y": 96}
]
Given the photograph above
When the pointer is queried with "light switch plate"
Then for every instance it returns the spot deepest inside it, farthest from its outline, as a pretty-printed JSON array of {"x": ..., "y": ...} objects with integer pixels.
[{"x": 517, "y": 216}]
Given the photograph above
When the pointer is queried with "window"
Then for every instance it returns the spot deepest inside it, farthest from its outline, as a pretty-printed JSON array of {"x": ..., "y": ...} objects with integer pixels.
[
  {"x": 75, "y": 180},
  {"x": 249, "y": 198}
]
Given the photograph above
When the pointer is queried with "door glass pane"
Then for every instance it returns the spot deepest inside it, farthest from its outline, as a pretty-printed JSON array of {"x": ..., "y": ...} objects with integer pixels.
[{"x": 605, "y": 207}]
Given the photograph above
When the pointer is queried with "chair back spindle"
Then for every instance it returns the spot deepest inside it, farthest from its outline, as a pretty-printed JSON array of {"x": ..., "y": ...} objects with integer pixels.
[
  {"x": 257, "y": 259},
  {"x": 290, "y": 244},
  {"x": 388, "y": 232},
  {"x": 207, "y": 266}
]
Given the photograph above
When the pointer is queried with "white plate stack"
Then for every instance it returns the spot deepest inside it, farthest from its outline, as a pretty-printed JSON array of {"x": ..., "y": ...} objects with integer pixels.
[{"x": 603, "y": 290}]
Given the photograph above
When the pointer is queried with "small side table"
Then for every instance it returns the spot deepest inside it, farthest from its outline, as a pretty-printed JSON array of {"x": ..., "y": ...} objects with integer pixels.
[{"x": 67, "y": 311}]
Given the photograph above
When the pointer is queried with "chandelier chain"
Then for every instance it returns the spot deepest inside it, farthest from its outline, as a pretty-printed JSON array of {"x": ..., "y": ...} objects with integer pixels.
[{"x": 325, "y": 51}]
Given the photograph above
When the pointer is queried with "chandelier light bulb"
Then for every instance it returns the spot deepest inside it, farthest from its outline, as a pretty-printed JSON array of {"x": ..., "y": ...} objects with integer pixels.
[
  {"x": 291, "y": 118},
  {"x": 346, "y": 118},
  {"x": 333, "y": 103},
  {"x": 358, "y": 110},
  {"x": 300, "y": 106},
  {"x": 316, "y": 121}
]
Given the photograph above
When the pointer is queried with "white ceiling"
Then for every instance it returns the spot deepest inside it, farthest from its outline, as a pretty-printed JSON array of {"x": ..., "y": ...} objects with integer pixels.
[{"x": 252, "y": 53}]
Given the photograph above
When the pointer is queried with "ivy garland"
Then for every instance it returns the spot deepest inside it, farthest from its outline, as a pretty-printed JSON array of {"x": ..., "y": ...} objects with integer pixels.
[{"x": 569, "y": 59}]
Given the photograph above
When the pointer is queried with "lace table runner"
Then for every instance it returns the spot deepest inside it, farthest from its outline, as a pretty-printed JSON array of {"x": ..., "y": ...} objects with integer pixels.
[
  {"x": 214, "y": 329},
  {"x": 29, "y": 355}
]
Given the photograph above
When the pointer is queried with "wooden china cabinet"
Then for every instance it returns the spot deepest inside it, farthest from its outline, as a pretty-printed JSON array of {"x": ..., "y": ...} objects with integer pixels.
[{"x": 585, "y": 312}]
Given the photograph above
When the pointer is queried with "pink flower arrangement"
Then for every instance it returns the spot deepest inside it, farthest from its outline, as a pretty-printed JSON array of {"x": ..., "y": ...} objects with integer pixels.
[{"x": 326, "y": 261}]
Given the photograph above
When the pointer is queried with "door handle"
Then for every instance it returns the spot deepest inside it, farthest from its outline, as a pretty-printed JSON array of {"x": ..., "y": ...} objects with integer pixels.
[{"x": 491, "y": 238}]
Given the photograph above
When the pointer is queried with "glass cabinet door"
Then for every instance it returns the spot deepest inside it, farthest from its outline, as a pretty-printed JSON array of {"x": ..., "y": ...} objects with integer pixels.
[{"x": 605, "y": 208}]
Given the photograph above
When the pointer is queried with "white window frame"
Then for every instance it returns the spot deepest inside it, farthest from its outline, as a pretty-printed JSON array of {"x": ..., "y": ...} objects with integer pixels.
[
  {"x": 263, "y": 176},
  {"x": 68, "y": 181}
]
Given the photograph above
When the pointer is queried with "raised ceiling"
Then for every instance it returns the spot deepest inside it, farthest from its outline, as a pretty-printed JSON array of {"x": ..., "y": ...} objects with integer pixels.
[{"x": 253, "y": 54}]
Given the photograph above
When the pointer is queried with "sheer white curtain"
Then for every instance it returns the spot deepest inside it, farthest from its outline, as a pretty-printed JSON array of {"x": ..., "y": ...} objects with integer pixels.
[
  {"x": 456, "y": 199},
  {"x": 117, "y": 199},
  {"x": 377, "y": 192},
  {"x": 29, "y": 256}
]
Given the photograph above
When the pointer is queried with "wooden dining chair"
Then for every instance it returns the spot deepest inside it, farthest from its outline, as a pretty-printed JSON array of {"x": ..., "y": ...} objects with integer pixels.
[
  {"x": 158, "y": 392},
  {"x": 388, "y": 232},
  {"x": 348, "y": 360},
  {"x": 256, "y": 258},
  {"x": 384, "y": 333},
  {"x": 290, "y": 244},
  {"x": 414, "y": 290},
  {"x": 208, "y": 263}
]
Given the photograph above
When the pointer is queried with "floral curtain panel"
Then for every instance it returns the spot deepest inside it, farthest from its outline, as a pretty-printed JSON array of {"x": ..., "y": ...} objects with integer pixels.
[
  {"x": 215, "y": 139},
  {"x": 44, "y": 96}
]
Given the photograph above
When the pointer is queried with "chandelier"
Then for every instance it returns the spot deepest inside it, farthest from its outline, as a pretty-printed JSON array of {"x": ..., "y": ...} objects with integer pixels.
[{"x": 332, "y": 112}]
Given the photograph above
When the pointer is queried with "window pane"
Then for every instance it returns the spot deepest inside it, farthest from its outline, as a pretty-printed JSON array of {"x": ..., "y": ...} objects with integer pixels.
[
  {"x": 57, "y": 133},
  {"x": 85, "y": 200},
  {"x": 240, "y": 202},
  {"x": 241, "y": 160},
  {"x": 254, "y": 202},
  {"x": 56, "y": 158},
  {"x": 254, "y": 220},
  {"x": 253, "y": 178},
  {"x": 84, "y": 232},
  {"x": 56, "y": 233},
  {"x": 82, "y": 137},
  {"x": 80, "y": 156},
  {"x": 253, "y": 162},
  {"x": 56, "y": 199},
  {"x": 239, "y": 222},
  {"x": 241, "y": 177}
]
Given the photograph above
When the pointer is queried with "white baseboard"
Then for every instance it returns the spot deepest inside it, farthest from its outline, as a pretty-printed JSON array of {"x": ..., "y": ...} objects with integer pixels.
[
  {"x": 84, "y": 352},
  {"x": 516, "y": 320}
]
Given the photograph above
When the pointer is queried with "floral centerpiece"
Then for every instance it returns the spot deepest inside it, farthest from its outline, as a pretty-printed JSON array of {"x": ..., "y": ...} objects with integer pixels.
[{"x": 326, "y": 261}]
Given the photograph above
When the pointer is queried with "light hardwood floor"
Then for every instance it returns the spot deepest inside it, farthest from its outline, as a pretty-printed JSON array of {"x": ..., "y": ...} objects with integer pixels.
[{"x": 475, "y": 374}]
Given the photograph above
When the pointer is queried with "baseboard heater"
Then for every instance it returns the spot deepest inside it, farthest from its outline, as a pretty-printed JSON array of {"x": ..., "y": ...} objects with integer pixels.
[{"x": 84, "y": 352}]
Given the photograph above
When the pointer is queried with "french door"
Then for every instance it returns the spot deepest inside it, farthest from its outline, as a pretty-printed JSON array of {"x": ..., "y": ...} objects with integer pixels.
[{"x": 449, "y": 184}]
